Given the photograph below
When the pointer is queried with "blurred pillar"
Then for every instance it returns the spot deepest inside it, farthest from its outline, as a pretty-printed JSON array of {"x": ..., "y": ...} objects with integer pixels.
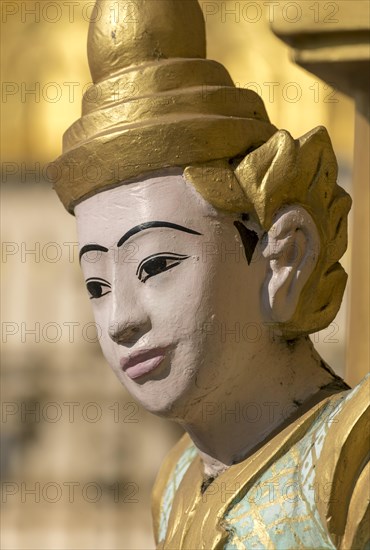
[{"x": 331, "y": 40}]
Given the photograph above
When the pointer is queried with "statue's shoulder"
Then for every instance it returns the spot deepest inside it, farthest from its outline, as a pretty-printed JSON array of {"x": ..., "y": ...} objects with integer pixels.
[
  {"x": 319, "y": 485},
  {"x": 344, "y": 470},
  {"x": 312, "y": 476},
  {"x": 169, "y": 477}
]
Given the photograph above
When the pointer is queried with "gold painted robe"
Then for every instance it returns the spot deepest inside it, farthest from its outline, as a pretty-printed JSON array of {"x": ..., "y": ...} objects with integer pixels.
[{"x": 307, "y": 487}]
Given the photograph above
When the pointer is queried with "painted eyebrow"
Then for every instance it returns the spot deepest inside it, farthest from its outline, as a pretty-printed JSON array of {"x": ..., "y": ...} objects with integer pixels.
[
  {"x": 147, "y": 225},
  {"x": 89, "y": 247}
]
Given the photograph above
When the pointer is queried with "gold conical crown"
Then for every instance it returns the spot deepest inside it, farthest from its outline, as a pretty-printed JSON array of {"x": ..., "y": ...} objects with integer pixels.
[
  {"x": 156, "y": 101},
  {"x": 123, "y": 34}
]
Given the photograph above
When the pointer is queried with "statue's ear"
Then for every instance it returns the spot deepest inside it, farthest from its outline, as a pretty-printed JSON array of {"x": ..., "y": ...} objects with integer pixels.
[{"x": 291, "y": 248}]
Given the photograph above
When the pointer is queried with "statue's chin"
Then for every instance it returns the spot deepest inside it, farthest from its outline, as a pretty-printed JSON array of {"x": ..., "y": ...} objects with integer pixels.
[{"x": 161, "y": 392}]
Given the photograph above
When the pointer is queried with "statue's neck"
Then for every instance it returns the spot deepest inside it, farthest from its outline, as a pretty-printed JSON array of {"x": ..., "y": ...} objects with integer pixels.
[{"x": 265, "y": 396}]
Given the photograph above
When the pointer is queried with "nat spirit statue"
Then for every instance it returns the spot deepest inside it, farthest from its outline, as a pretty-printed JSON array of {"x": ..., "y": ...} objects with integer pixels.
[{"x": 210, "y": 244}]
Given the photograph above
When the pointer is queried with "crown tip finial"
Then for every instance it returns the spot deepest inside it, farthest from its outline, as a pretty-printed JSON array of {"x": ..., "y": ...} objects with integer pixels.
[{"x": 125, "y": 33}]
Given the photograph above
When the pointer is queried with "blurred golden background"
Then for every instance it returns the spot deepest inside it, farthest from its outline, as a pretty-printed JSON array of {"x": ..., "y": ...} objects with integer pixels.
[{"x": 78, "y": 456}]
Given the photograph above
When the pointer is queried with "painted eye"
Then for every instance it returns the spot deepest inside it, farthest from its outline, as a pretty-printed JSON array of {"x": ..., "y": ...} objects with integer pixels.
[
  {"x": 158, "y": 263},
  {"x": 97, "y": 287}
]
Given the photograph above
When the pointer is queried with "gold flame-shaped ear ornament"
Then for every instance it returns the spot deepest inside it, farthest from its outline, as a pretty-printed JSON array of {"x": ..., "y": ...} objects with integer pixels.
[{"x": 156, "y": 101}]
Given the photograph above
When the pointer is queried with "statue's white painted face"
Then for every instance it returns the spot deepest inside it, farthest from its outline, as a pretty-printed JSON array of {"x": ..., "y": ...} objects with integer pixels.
[{"x": 177, "y": 305}]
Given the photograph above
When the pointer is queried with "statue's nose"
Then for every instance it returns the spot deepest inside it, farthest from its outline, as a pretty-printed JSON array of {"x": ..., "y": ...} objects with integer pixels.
[
  {"x": 129, "y": 320},
  {"x": 128, "y": 332}
]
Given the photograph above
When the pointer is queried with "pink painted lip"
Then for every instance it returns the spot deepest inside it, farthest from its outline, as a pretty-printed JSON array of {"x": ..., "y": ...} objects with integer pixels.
[{"x": 142, "y": 362}]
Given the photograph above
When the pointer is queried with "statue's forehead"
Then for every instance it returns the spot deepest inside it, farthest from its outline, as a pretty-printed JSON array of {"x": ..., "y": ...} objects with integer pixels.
[{"x": 159, "y": 198}]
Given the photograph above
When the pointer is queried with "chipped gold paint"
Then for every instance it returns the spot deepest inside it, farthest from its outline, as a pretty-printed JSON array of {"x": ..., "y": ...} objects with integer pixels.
[
  {"x": 341, "y": 467},
  {"x": 195, "y": 519}
]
